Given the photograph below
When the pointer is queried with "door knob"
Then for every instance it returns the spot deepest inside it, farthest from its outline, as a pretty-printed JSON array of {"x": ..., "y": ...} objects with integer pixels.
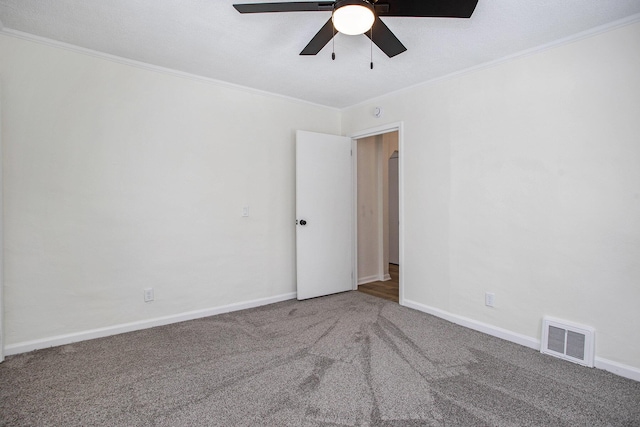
[{"x": 303, "y": 222}]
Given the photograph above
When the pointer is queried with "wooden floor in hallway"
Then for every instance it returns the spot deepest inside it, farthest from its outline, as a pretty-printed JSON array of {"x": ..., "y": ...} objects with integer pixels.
[{"x": 388, "y": 289}]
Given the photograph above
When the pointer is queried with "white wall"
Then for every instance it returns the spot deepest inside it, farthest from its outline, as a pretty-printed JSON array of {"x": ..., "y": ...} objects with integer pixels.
[
  {"x": 394, "y": 211},
  {"x": 523, "y": 179},
  {"x": 388, "y": 146},
  {"x": 368, "y": 210},
  {"x": 1, "y": 239},
  {"x": 119, "y": 178}
]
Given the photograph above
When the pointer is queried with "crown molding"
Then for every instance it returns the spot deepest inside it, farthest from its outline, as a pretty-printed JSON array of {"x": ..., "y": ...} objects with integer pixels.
[
  {"x": 168, "y": 71},
  {"x": 528, "y": 52},
  {"x": 150, "y": 67}
]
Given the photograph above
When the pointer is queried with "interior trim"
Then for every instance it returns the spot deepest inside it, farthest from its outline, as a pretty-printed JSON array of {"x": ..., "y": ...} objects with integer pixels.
[
  {"x": 26, "y": 346},
  {"x": 617, "y": 368}
]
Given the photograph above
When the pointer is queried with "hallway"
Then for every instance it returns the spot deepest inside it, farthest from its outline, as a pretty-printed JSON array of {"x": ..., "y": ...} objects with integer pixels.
[{"x": 388, "y": 289}]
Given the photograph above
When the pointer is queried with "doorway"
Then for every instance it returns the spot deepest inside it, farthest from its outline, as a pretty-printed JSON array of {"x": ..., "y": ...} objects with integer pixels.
[
  {"x": 377, "y": 214},
  {"x": 2, "y": 339}
]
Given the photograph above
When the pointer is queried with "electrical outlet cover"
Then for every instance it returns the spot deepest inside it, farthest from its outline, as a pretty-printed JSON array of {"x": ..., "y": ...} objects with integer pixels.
[{"x": 489, "y": 299}]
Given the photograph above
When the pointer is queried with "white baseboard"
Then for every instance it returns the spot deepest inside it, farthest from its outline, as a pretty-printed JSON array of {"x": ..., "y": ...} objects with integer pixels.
[
  {"x": 368, "y": 279},
  {"x": 26, "y": 346},
  {"x": 374, "y": 278},
  {"x": 620, "y": 369},
  {"x": 476, "y": 326}
]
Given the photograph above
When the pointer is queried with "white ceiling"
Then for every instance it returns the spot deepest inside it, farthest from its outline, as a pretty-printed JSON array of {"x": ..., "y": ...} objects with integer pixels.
[{"x": 210, "y": 38}]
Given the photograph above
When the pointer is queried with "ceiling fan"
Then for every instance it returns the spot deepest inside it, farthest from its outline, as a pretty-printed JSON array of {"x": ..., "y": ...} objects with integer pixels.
[{"x": 363, "y": 17}]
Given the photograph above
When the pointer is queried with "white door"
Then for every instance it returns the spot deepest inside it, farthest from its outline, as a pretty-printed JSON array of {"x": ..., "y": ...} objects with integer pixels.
[{"x": 323, "y": 214}]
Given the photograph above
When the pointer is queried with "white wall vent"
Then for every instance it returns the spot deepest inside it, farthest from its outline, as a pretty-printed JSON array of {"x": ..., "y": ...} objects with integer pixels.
[{"x": 568, "y": 341}]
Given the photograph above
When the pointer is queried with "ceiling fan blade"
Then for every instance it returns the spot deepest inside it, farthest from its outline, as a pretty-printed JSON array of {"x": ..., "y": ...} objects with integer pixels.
[
  {"x": 427, "y": 8},
  {"x": 320, "y": 40},
  {"x": 385, "y": 39},
  {"x": 296, "y": 6}
]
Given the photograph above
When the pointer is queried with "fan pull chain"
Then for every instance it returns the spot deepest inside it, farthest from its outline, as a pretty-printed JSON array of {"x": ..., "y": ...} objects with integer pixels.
[
  {"x": 333, "y": 45},
  {"x": 371, "y": 37}
]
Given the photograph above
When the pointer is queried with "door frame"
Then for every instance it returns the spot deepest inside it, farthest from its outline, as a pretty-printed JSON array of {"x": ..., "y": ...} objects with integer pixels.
[
  {"x": 379, "y": 130},
  {"x": 2, "y": 335}
]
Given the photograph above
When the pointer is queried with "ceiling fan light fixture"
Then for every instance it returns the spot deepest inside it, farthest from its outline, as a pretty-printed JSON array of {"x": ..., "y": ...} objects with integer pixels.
[{"x": 353, "y": 17}]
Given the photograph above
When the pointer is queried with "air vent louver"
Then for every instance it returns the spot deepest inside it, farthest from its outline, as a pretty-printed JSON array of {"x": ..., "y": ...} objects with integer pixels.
[{"x": 568, "y": 341}]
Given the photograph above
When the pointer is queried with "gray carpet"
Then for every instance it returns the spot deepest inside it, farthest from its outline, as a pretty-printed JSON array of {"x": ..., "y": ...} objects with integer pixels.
[{"x": 346, "y": 359}]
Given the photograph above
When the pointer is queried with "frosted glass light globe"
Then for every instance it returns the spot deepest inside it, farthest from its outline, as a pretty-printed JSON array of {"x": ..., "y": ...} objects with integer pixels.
[{"x": 352, "y": 19}]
